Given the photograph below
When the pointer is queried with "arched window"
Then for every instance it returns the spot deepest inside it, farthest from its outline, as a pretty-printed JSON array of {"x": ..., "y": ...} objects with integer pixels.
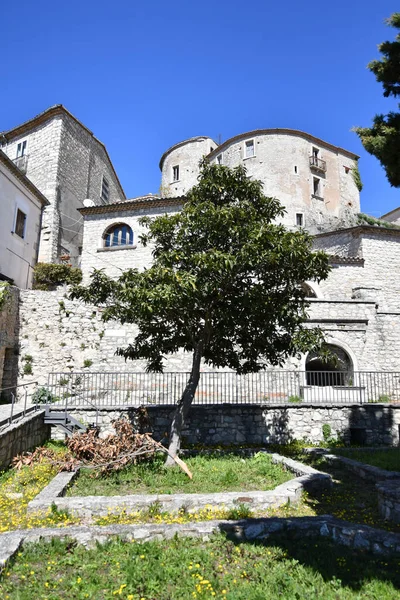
[
  {"x": 331, "y": 366},
  {"x": 118, "y": 235}
]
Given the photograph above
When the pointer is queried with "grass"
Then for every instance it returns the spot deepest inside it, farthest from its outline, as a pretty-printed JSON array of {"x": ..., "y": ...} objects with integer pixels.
[
  {"x": 19, "y": 487},
  {"x": 211, "y": 473},
  {"x": 351, "y": 498},
  {"x": 388, "y": 459},
  {"x": 183, "y": 569}
]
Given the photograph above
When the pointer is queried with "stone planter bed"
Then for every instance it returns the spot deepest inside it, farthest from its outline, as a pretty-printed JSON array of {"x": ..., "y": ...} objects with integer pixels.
[
  {"x": 307, "y": 479},
  {"x": 387, "y": 482}
]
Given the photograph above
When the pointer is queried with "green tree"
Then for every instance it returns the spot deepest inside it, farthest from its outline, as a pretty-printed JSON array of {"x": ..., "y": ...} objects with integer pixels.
[
  {"x": 225, "y": 284},
  {"x": 382, "y": 140}
]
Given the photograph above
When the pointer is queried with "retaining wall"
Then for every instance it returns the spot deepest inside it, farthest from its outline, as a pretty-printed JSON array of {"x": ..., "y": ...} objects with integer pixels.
[
  {"x": 375, "y": 424},
  {"x": 21, "y": 436}
]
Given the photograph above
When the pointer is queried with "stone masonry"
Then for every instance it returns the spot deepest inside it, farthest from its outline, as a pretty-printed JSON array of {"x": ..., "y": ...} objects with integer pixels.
[
  {"x": 66, "y": 163},
  {"x": 228, "y": 424}
]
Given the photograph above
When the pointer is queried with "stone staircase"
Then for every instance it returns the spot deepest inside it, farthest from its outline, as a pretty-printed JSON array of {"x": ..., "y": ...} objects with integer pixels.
[{"x": 63, "y": 420}]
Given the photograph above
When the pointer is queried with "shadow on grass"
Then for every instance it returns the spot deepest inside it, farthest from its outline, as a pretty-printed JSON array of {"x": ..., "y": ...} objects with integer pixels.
[
  {"x": 350, "y": 568},
  {"x": 351, "y": 498}
]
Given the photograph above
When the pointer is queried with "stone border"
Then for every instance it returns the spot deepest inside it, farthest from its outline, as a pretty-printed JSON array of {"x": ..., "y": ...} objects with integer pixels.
[
  {"x": 308, "y": 479},
  {"x": 357, "y": 537},
  {"x": 363, "y": 470}
]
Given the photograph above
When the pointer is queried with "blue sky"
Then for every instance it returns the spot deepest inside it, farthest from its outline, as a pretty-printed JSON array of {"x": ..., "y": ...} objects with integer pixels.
[{"x": 143, "y": 76}]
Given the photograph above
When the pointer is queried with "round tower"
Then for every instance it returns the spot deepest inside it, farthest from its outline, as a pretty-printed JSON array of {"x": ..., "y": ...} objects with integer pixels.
[{"x": 179, "y": 165}]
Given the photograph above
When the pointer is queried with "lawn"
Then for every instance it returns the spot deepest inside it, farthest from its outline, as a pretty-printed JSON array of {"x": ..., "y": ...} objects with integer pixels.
[
  {"x": 211, "y": 473},
  {"x": 351, "y": 497},
  {"x": 388, "y": 459},
  {"x": 183, "y": 569}
]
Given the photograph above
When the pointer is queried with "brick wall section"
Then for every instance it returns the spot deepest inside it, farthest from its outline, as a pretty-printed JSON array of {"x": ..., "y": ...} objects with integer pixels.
[
  {"x": 22, "y": 436},
  {"x": 255, "y": 424}
]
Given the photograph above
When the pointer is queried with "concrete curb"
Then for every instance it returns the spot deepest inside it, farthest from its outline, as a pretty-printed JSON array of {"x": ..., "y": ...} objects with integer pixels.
[
  {"x": 357, "y": 537},
  {"x": 308, "y": 479}
]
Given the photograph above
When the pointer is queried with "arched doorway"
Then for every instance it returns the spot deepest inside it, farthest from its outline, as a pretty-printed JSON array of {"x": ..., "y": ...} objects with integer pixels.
[{"x": 331, "y": 366}]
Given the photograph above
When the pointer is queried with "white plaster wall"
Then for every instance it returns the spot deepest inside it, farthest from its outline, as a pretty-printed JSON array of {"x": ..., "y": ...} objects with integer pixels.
[
  {"x": 116, "y": 260},
  {"x": 17, "y": 255},
  {"x": 42, "y": 150}
]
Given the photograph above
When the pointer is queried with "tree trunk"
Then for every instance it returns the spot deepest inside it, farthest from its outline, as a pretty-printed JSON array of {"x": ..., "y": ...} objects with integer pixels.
[{"x": 183, "y": 406}]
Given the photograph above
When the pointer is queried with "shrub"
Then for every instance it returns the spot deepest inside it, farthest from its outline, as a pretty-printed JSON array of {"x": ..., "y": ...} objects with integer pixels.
[
  {"x": 326, "y": 431},
  {"x": 43, "y": 396},
  {"x": 27, "y": 368},
  {"x": 47, "y": 275},
  {"x": 294, "y": 399},
  {"x": 87, "y": 362}
]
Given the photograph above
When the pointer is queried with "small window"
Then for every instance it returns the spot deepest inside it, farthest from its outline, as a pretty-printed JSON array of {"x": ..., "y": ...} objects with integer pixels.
[
  {"x": 299, "y": 219},
  {"x": 175, "y": 173},
  {"x": 21, "y": 149},
  {"x": 219, "y": 159},
  {"x": 211, "y": 149},
  {"x": 118, "y": 235},
  {"x": 317, "y": 187},
  {"x": 249, "y": 149},
  {"x": 105, "y": 190},
  {"x": 315, "y": 153},
  {"x": 20, "y": 223},
  {"x": 295, "y": 168}
]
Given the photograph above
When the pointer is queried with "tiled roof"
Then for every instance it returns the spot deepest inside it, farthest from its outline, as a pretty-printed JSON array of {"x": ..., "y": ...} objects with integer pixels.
[
  {"x": 133, "y": 204},
  {"x": 345, "y": 260}
]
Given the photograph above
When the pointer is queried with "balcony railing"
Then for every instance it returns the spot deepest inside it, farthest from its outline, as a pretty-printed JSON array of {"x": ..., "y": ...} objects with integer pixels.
[
  {"x": 317, "y": 163},
  {"x": 266, "y": 387},
  {"x": 21, "y": 162}
]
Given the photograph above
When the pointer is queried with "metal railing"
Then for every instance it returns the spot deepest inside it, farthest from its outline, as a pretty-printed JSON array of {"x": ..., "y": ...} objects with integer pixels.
[
  {"x": 17, "y": 403},
  {"x": 266, "y": 387},
  {"x": 21, "y": 162},
  {"x": 318, "y": 163}
]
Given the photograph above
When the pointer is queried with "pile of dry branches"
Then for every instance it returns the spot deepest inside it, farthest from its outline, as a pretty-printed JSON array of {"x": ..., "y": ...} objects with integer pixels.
[{"x": 113, "y": 453}]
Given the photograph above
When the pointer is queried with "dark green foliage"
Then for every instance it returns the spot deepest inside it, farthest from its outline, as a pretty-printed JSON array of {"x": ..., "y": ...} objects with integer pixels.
[
  {"x": 43, "y": 396},
  {"x": 225, "y": 284},
  {"x": 326, "y": 431},
  {"x": 383, "y": 138},
  {"x": 364, "y": 219},
  {"x": 224, "y": 277},
  {"x": 357, "y": 177},
  {"x": 48, "y": 275}
]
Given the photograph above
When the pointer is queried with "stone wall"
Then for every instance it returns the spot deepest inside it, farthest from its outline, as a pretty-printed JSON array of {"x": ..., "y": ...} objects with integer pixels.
[
  {"x": 255, "y": 424},
  {"x": 22, "y": 436},
  {"x": 63, "y": 335},
  {"x": 8, "y": 340}
]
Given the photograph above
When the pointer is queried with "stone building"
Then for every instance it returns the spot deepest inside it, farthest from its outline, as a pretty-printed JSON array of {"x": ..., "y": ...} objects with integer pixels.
[
  {"x": 314, "y": 180},
  {"x": 68, "y": 164},
  {"x": 357, "y": 306}
]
